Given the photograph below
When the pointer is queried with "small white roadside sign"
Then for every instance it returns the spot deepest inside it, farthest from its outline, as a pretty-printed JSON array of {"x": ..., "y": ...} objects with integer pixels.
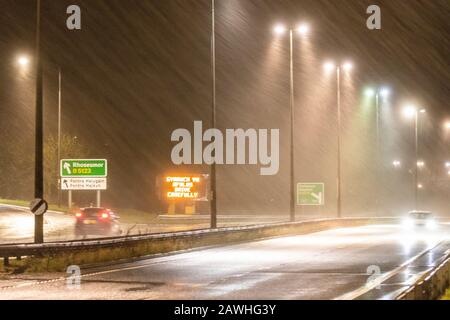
[{"x": 84, "y": 184}]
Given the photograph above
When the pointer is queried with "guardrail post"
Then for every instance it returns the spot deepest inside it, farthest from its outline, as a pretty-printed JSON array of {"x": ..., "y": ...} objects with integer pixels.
[{"x": 6, "y": 261}]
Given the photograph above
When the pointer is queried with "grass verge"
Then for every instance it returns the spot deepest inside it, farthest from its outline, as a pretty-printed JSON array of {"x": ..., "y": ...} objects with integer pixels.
[
  {"x": 22, "y": 203},
  {"x": 446, "y": 296}
]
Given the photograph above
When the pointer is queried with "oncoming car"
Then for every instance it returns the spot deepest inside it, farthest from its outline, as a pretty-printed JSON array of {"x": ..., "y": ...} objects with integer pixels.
[
  {"x": 96, "y": 221},
  {"x": 420, "y": 219}
]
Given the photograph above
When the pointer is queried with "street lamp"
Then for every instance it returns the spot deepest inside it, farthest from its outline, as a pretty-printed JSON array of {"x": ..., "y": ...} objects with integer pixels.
[
  {"x": 446, "y": 127},
  {"x": 384, "y": 93},
  {"x": 39, "y": 131},
  {"x": 23, "y": 61},
  {"x": 330, "y": 67},
  {"x": 303, "y": 30},
  {"x": 397, "y": 163},
  {"x": 213, "y": 182},
  {"x": 412, "y": 112}
]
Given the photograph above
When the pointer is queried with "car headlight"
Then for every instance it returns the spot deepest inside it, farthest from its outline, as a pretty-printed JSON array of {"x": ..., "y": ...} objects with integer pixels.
[
  {"x": 431, "y": 224},
  {"x": 408, "y": 223}
]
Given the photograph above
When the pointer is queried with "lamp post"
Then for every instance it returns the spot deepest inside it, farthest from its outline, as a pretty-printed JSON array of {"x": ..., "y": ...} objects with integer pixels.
[
  {"x": 39, "y": 132},
  {"x": 23, "y": 61},
  {"x": 303, "y": 30},
  {"x": 378, "y": 93},
  {"x": 213, "y": 184},
  {"x": 331, "y": 67},
  {"x": 413, "y": 112},
  {"x": 59, "y": 131}
]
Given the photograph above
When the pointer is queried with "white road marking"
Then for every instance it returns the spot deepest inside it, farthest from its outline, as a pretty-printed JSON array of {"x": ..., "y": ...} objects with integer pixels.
[{"x": 375, "y": 283}]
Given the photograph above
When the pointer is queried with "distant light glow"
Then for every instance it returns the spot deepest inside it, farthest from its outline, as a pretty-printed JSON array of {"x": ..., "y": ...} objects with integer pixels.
[
  {"x": 329, "y": 66},
  {"x": 447, "y": 125},
  {"x": 347, "y": 66},
  {"x": 423, "y": 111},
  {"x": 420, "y": 164},
  {"x": 431, "y": 225},
  {"x": 370, "y": 92},
  {"x": 410, "y": 112},
  {"x": 279, "y": 29},
  {"x": 303, "y": 29},
  {"x": 23, "y": 61},
  {"x": 408, "y": 223},
  {"x": 397, "y": 163},
  {"x": 420, "y": 186},
  {"x": 385, "y": 92}
]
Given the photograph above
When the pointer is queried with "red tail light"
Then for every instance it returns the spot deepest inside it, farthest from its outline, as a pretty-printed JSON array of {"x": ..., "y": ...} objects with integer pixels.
[
  {"x": 78, "y": 214},
  {"x": 105, "y": 215}
]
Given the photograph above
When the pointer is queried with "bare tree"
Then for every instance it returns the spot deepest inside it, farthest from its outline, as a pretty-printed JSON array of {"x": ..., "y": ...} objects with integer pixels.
[{"x": 71, "y": 148}]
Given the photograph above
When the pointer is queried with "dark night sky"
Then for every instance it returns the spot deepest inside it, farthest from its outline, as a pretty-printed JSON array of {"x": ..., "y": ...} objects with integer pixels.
[{"x": 140, "y": 69}]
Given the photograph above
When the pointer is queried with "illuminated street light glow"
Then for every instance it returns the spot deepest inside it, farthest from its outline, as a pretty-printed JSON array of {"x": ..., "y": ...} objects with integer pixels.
[
  {"x": 329, "y": 66},
  {"x": 410, "y": 112},
  {"x": 370, "y": 92},
  {"x": 385, "y": 92},
  {"x": 303, "y": 29},
  {"x": 23, "y": 61},
  {"x": 420, "y": 164},
  {"x": 279, "y": 29},
  {"x": 420, "y": 186},
  {"x": 447, "y": 164},
  {"x": 423, "y": 111},
  {"x": 347, "y": 66},
  {"x": 397, "y": 163}
]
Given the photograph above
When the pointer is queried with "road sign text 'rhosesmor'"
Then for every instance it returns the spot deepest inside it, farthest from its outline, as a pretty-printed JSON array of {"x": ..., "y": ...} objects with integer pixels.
[{"x": 84, "y": 168}]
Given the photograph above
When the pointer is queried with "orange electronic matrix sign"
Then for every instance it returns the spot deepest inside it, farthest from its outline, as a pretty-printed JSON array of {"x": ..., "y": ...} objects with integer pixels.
[{"x": 185, "y": 188}]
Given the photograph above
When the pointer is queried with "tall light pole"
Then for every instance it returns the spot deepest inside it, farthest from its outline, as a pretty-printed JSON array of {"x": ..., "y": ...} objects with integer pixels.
[
  {"x": 39, "y": 134},
  {"x": 413, "y": 112},
  {"x": 59, "y": 131},
  {"x": 303, "y": 30},
  {"x": 379, "y": 93},
  {"x": 23, "y": 61},
  {"x": 330, "y": 67},
  {"x": 213, "y": 182}
]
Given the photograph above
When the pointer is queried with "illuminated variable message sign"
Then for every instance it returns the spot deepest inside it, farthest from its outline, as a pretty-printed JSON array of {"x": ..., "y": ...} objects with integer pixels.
[
  {"x": 186, "y": 187},
  {"x": 183, "y": 187}
]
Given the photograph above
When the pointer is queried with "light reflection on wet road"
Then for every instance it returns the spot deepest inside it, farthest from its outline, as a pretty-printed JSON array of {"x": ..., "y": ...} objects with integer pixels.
[{"x": 324, "y": 265}]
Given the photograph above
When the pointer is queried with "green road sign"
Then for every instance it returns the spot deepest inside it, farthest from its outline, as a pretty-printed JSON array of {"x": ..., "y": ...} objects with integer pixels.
[
  {"x": 84, "y": 168},
  {"x": 311, "y": 194}
]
